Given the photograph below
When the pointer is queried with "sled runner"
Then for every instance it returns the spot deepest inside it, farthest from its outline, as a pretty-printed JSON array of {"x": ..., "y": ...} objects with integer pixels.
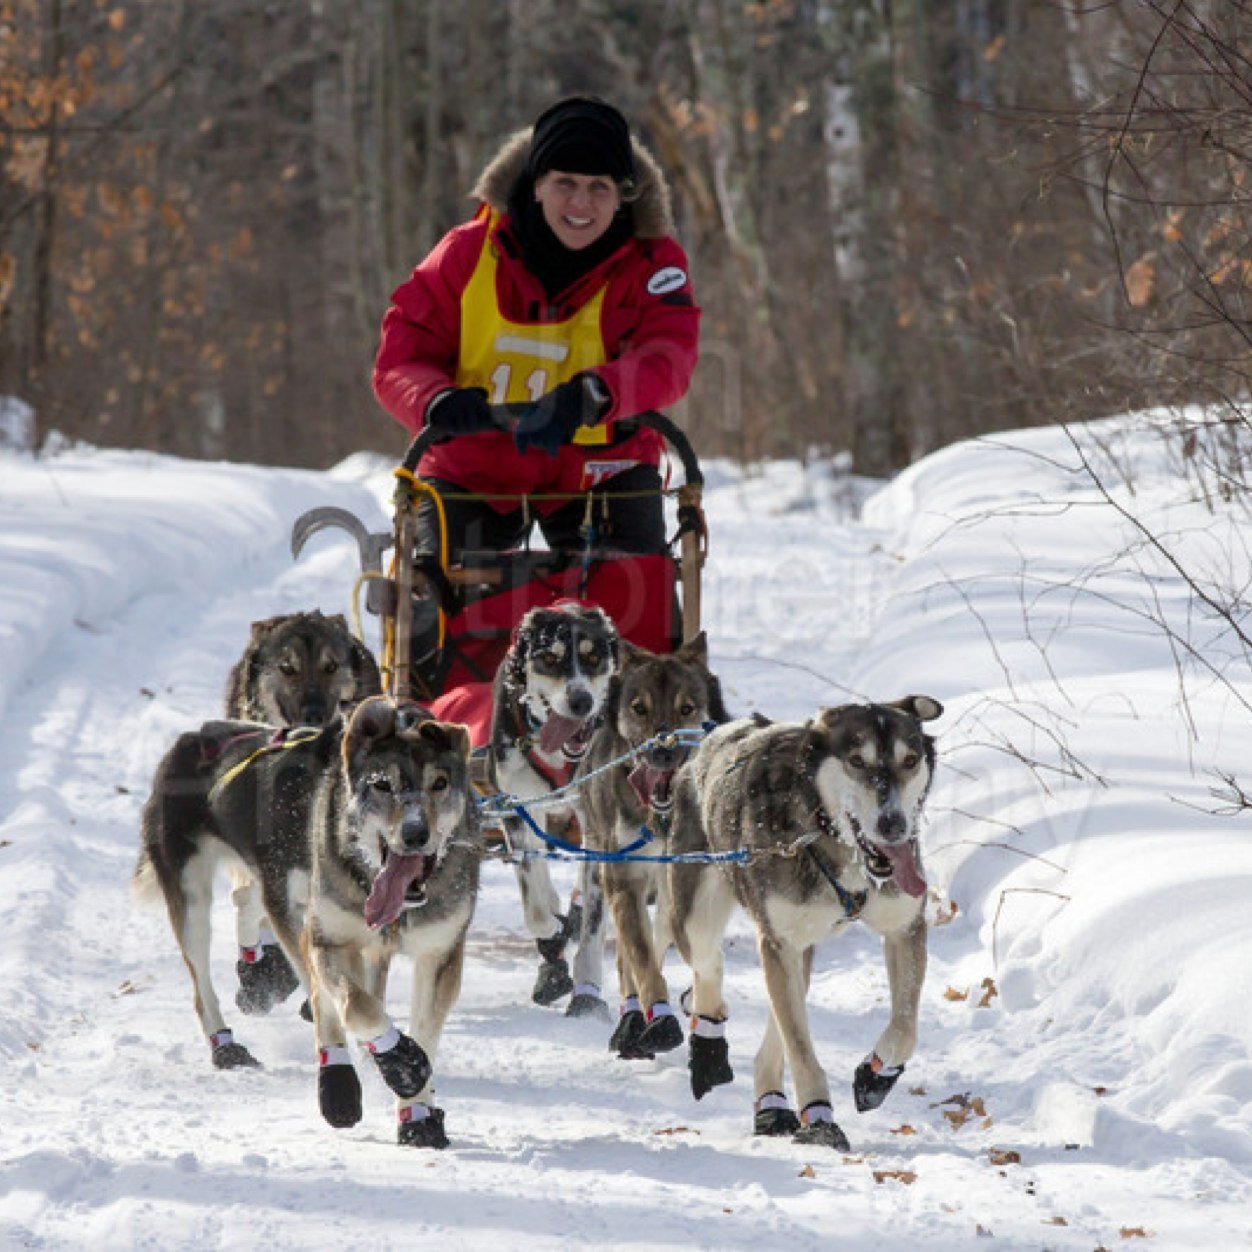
[{"x": 446, "y": 625}]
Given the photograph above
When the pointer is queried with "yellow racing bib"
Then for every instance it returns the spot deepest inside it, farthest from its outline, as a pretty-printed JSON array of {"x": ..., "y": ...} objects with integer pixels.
[{"x": 516, "y": 362}]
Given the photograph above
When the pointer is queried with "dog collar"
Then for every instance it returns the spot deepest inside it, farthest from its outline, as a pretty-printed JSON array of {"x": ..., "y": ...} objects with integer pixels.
[{"x": 852, "y": 901}]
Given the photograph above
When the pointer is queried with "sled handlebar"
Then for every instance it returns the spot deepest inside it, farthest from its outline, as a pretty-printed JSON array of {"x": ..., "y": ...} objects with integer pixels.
[{"x": 506, "y": 417}]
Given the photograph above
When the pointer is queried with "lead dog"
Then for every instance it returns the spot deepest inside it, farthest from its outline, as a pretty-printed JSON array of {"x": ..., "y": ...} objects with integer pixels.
[
  {"x": 547, "y": 699},
  {"x": 298, "y": 669},
  {"x": 652, "y": 696},
  {"x": 843, "y": 795},
  {"x": 396, "y": 849}
]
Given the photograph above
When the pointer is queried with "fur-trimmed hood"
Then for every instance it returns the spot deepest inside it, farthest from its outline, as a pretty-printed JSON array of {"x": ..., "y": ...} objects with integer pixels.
[{"x": 650, "y": 205}]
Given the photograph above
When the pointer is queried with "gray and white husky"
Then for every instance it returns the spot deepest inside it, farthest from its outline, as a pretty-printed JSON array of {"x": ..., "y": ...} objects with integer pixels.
[
  {"x": 547, "y": 699},
  {"x": 395, "y": 845},
  {"x": 651, "y": 696},
  {"x": 829, "y": 810}
]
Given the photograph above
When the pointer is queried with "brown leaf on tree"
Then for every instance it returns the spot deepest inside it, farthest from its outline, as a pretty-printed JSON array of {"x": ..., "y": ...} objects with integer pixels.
[
  {"x": 951, "y": 993},
  {"x": 808, "y": 1172},
  {"x": 1134, "y": 1232},
  {"x": 989, "y": 992},
  {"x": 1140, "y": 281},
  {"x": 1004, "y": 1156},
  {"x": 1056, "y": 1221},
  {"x": 905, "y": 1129}
]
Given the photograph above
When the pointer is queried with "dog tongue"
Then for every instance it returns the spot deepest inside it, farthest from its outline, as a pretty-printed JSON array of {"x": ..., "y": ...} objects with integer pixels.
[
  {"x": 904, "y": 870},
  {"x": 557, "y": 731},
  {"x": 386, "y": 899}
]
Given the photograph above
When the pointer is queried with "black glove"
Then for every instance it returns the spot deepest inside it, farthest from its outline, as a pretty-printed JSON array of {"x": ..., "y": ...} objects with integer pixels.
[
  {"x": 464, "y": 411},
  {"x": 549, "y": 424}
]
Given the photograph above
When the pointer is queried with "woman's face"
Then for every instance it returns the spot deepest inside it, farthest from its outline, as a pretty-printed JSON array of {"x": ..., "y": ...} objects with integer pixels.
[{"x": 578, "y": 208}]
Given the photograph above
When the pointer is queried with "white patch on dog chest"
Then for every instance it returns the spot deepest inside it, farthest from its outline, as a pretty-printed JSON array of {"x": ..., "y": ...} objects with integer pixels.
[
  {"x": 433, "y": 937},
  {"x": 885, "y": 914}
]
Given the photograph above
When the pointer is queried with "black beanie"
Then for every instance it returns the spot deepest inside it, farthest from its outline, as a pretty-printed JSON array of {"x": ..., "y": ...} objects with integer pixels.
[{"x": 582, "y": 135}]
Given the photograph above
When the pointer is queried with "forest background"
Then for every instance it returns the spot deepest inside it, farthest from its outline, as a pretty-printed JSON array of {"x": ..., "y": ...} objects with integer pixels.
[{"x": 909, "y": 221}]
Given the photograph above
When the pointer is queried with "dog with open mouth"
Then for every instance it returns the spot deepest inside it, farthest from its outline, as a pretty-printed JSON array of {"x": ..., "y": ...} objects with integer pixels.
[
  {"x": 829, "y": 811},
  {"x": 396, "y": 849},
  {"x": 652, "y": 696},
  {"x": 547, "y": 699}
]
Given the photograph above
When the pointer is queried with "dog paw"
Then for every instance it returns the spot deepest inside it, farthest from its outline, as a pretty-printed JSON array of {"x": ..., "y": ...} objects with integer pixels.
[
  {"x": 232, "y": 1055},
  {"x": 626, "y": 1035},
  {"x": 584, "y": 1005},
  {"x": 822, "y": 1135},
  {"x": 426, "y": 1132},
  {"x": 709, "y": 1063},
  {"x": 664, "y": 1033},
  {"x": 339, "y": 1095},
  {"x": 776, "y": 1123},
  {"x": 405, "y": 1067},
  {"x": 872, "y": 1082},
  {"x": 266, "y": 982},
  {"x": 552, "y": 982}
]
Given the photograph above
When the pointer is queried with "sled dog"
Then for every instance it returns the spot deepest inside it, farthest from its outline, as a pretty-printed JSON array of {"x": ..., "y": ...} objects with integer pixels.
[
  {"x": 395, "y": 848},
  {"x": 651, "y": 696},
  {"x": 843, "y": 794},
  {"x": 546, "y": 702},
  {"x": 299, "y": 669},
  {"x": 238, "y": 795}
]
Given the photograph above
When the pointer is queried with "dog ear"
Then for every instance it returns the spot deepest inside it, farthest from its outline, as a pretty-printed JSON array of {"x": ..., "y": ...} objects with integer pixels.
[
  {"x": 374, "y": 719},
  {"x": 924, "y": 708},
  {"x": 828, "y": 718},
  {"x": 717, "y": 705},
  {"x": 515, "y": 658},
  {"x": 696, "y": 648},
  {"x": 369, "y": 682},
  {"x": 447, "y": 736},
  {"x": 267, "y": 626}
]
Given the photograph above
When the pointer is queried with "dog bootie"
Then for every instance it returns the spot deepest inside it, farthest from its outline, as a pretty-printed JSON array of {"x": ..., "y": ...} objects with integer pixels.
[
  {"x": 338, "y": 1089},
  {"x": 774, "y": 1116},
  {"x": 664, "y": 1031},
  {"x": 404, "y": 1066},
  {"x": 587, "y": 1002},
  {"x": 872, "y": 1082},
  {"x": 629, "y": 1030},
  {"x": 553, "y": 980},
  {"x": 265, "y": 978},
  {"x": 819, "y": 1128},
  {"x": 421, "y": 1127},
  {"x": 227, "y": 1054},
  {"x": 708, "y": 1056}
]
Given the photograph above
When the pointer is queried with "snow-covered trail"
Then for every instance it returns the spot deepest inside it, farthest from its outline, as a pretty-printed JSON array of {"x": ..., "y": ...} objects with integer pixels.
[{"x": 119, "y": 1134}]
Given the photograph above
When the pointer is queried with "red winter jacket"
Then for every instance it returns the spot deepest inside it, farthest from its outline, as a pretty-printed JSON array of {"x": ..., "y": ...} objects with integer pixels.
[{"x": 650, "y": 339}]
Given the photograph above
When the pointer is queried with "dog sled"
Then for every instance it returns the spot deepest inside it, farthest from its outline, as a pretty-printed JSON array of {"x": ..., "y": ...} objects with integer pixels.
[{"x": 446, "y": 625}]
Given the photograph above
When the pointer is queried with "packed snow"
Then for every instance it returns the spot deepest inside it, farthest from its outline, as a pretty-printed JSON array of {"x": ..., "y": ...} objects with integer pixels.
[{"x": 1083, "y": 1077}]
